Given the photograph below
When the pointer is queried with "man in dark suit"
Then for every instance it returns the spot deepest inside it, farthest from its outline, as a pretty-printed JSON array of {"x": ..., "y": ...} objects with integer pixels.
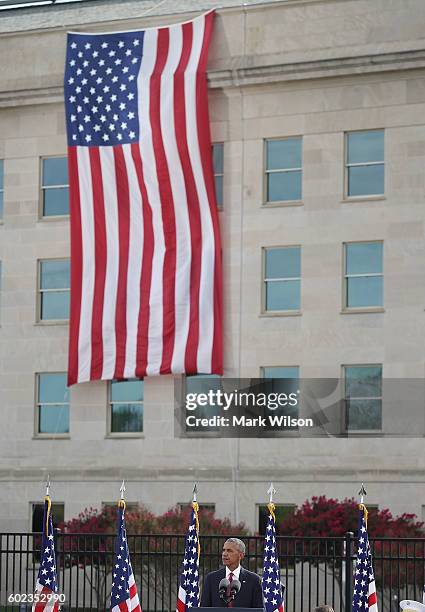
[{"x": 250, "y": 594}]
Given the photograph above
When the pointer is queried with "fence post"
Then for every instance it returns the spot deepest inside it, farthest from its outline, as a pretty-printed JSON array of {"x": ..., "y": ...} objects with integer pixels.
[{"x": 348, "y": 569}]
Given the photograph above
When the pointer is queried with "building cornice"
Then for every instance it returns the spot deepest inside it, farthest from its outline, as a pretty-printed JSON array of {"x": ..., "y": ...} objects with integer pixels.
[
  {"x": 322, "y": 473},
  {"x": 258, "y": 74}
]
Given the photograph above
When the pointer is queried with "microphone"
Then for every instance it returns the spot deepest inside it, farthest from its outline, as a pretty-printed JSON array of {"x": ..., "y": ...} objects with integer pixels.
[
  {"x": 222, "y": 589},
  {"x": 235, "y": 587}
]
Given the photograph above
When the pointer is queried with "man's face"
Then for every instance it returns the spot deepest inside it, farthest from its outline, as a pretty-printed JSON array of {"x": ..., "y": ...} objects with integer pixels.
[{"x": 231, "y": 555}]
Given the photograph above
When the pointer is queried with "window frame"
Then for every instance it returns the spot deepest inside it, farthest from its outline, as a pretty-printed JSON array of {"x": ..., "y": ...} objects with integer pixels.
[
  {"x": 220, "y": 207},
  {"x": 351, "y": 198},
  {"x": 360, "y": 309},
  {"x": 279, "y": 203},
  {"x": 260, "y": 505},
  {"x": 42, "y": 189},
  {"x": 40, "y": 291},
  {"x": 109, "y": 403},
  {"x": 264, "y": 281},
  {"x": 187, "y": 431},
  {"x": 292, "y": 431},
  {"x": 45, "y": 436},
  {"x": 354, "y": 432}
]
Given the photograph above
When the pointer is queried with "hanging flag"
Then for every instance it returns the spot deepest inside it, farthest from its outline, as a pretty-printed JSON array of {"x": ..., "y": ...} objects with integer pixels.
[
  {"x": 188, "y": 596},
  {"x": 272, "y": 588},
  {"x": 146, "y": 286},
  {"x": 124, "y": 595},
  {"x": 364, "y": 593},
  {"x": 46, "y": 588}
]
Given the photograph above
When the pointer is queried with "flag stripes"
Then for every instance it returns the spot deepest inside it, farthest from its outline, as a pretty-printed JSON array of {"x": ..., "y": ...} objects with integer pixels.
[{"x": 145, "y": 249}]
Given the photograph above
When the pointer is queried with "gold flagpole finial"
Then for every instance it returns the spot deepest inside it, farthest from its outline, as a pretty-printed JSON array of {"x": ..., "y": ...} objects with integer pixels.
[
  {"x": 362, "y": 494},
  {"x": 48, "y": 485},
  {"x": 195, "y": 492}
]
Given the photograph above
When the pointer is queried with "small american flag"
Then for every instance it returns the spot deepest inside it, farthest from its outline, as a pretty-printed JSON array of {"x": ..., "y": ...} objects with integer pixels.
[
  {"x": 364, "y": 593},
  {"x": 272, "y": 588},
  {"x": 145, "y": 248},
  {"x": 47, "y": 584},
  {"x": 188, "y": 596},
  {"x": 124, "y": 597}
]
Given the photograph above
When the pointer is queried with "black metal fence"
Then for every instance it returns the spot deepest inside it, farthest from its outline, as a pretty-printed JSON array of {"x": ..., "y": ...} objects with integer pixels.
[{"x": 313, "y": 570}]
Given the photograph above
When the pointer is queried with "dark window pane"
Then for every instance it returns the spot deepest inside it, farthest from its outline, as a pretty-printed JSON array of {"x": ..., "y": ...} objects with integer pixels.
[
  {"x": 126, "y": 418},
  {"x": 283, "y": 263},
  {"x": 366, "y": 180},
  {"x": 52, "y": 388},
  {"x": 58, "y": 516},
  {"x": 56, "y": 201},
  {"x": 283, "y": 295},
  {"x": 365, "y": 147},
  {"x": 364, "y": 414},
  {"x": 364, "y": 291},
  {"x": 1, "y": 174},
  {"x": 363, "y": 381},
  {"x": 55, "y": 171},
  {"x": 281, "y": 513},
  {"x": 218, "y": 157},
  {"x": 55, "y": 274},
  {"x": 55, "y": 305},
  {"x": 219, "y": 189},
  {"x": 284, "y": 154},
  {"x": 283, "y": 186},
  {"x": 127, "y": 391},
  {"x": 363, "y": 258},
  {"x": 53, "y": 419}
]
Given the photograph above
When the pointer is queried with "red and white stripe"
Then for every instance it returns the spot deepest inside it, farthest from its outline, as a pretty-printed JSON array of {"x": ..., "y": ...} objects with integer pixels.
[
  {"x": 132, "y": 603},
  {"x": 146, "y": 287},
  {"x": 372, "y": 599},
  {"x": 44, "y": 605}
]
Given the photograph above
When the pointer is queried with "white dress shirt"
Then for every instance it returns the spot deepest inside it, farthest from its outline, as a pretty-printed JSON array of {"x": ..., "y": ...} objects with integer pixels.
[{"x": 235, "y": 573}]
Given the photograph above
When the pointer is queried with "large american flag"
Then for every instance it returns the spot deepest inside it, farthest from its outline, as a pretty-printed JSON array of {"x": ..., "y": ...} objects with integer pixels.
[
  {"x": 146, "y": 287},
  {"x": 188, "y": 595},
  {"x": 47, "y": 583},
  {"x": 272, "y": 587},
  {"x": 364, "y": 593},
  {"x": 124, "y": 597}
]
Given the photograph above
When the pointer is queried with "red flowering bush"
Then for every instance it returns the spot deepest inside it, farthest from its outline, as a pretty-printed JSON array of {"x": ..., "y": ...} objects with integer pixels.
[{"x": 395, "y": 561}]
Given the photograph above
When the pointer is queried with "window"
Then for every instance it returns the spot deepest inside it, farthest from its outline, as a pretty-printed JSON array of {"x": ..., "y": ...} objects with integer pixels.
[
  {"x": 54, "y": 186},
  {"x": 1, "y": 187},
  {"x": 126, "y": 406},
  {"x": 365, "y": 163},
  {"x": 54, "y": 280},
  {"x": 202, "y": 383},
  {"x": 282, "y": 279},
  {"x": 282, "y": 379},
  {"x": 52, "y": 414},
  {"x": 218, "y": 149},
  {"x": 283, "y": 170},
  {"x": 129, "y": 506},
  {"x": 182, "y": 506},
  {"x": 363, "y": 276},
  {"x": 282, "y": 512},
  {"x": 363, "y": 397},
  {"x": 37, "y": 516}
]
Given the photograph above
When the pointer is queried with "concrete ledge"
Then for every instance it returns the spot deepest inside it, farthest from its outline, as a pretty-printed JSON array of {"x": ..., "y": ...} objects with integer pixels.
[{"x": 256, "y": 75}]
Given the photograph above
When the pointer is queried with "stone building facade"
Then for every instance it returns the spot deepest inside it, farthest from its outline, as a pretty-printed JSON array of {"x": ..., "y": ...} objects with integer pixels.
[{"x": 331, "y": 92}]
